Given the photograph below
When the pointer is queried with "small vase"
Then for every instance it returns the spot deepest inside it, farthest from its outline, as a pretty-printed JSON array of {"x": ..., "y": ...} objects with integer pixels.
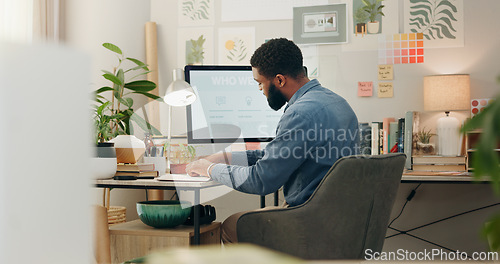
[
  {"x": 103, "y": 164},
  {"x": 373, "y": 27},
  {"x": 129, "y": 149}
]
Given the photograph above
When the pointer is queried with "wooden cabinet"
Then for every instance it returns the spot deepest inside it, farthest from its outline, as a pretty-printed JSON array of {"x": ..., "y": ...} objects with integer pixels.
[
  {"x": 471, "y": 140},
  {"x": 135, "y": 239}
]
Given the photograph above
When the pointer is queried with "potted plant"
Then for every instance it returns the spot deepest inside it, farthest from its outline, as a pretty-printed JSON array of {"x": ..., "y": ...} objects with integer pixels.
[
  {"x": 360, "y": 17},
  {"x": 180, "y": 156},
  {"x": 486, "y": 161},
  {"x": 114, "y": 115},
  {"x": 373, "y": 9},
  {"x": 423, "y": 142}
]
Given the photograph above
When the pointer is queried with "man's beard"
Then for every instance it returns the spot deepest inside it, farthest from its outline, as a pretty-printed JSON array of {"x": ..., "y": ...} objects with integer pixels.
[{"x": 275, "y": 98}]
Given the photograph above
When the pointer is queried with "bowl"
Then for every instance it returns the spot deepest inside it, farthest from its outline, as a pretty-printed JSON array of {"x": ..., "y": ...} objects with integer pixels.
[{"x": 163, "y": 214}]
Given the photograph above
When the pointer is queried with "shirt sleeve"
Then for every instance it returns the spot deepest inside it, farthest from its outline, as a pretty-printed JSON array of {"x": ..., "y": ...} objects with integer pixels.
[{"x": 275, "y": 164}]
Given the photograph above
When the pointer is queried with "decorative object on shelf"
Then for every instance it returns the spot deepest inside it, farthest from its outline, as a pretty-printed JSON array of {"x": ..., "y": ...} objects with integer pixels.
[
  {"x": 360, "y": 17},
  {"x": 373, "y": 9},
  {"x": 113, "y": 116},
  {"x": 180, "y": 156},
  {"x": 104, "y": 163},
  {"x": 116, "y": 214},
  {"x": 163, "y": 213},
  {"x": 424, "y": 146},
  {"x": 179, "y": 93},
  {"x": 447, "y": 93},
  {"x": 129, "y": 149}
]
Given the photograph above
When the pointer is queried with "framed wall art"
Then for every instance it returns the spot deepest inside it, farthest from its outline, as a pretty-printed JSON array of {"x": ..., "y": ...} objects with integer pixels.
[{"x": 326, "y": 24}]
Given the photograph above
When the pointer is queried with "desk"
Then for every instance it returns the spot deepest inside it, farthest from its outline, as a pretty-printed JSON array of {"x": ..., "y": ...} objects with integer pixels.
[
  {"x": 165, "y": 185},
  {"x": 436, "y": 178}
]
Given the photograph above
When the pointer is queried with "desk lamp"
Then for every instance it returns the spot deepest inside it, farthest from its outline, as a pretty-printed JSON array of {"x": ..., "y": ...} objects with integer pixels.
[
  {"x": 179, "y": 93},
  {"x": 447, "y": 93}
]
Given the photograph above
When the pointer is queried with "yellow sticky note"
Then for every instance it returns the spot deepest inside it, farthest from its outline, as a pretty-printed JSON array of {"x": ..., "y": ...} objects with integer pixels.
[
  {"x": 385, "y": 72},
  {"x": 385, "y": 90}
]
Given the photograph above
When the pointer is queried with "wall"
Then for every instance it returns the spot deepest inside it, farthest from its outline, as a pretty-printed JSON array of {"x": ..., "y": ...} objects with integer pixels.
[{"x": 121, "y": 22}]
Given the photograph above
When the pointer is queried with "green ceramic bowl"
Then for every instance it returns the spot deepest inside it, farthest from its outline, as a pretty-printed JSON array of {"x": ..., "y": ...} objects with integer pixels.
[{"x": 163, "y": 214}]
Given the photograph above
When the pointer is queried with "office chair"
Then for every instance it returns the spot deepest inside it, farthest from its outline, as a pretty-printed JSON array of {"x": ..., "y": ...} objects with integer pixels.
[{"x": 347, "y": 214}]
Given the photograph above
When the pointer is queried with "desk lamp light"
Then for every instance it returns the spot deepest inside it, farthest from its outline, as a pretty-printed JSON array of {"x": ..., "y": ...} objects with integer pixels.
[
  {"x": 447, "y": 93},
  {"x": 179, "y": 93}
]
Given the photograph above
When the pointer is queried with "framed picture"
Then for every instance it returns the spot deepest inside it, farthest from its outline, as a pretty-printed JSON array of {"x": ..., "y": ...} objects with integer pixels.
[{"x": 324, "y": 24}]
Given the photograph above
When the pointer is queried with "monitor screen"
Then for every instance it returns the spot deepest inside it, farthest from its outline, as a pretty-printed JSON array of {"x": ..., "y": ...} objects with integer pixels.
[{"x": 229, "y": 106}]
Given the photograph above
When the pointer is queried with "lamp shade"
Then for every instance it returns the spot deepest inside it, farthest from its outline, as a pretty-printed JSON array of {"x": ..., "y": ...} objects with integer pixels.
[
  {"x": 179, "y": 92},
  {"x": 447, "y": 92}
]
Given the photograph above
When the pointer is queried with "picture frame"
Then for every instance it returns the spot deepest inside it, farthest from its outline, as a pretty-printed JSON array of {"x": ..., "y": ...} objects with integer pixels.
[{"x": 325, "y": 24}]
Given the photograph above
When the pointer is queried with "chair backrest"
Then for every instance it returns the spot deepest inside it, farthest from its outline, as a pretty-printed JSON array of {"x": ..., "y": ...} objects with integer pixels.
[{"x": 346, "y": 215}]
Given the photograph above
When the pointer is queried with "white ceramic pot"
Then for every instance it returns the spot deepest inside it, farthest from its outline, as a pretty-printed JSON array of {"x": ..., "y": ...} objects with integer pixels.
[
  {"x": 373, "y": 27},
  {"x": 103, "y": 164},
  {"x": 129, "y": 149}
]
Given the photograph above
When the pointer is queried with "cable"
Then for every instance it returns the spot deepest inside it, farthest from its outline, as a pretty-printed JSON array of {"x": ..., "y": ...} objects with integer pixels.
[{"x": 408, "y": 198}]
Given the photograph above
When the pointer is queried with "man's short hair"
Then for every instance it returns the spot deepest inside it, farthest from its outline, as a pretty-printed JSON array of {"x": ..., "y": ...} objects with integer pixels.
[{"x": 278, "y": 56}]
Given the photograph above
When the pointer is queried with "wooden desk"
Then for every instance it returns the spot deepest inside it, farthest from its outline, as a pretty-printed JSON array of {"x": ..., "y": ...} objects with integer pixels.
[
  {"x": 134, "y": 239},
  {"x": 165, "y": 185}
]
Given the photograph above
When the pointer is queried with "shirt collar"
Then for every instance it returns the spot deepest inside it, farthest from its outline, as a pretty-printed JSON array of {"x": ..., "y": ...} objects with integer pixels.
[{"x": 302, "y": 91}]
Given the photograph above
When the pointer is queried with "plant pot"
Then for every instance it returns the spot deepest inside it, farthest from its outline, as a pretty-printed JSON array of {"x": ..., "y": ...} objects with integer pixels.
[
  {"x": 361, "y": 28},
  {"x": 178, "y": 168},
  {"x": 103, "y": 164},
  {"x": 425, "y": 148},
  {"x": 373, "y": 27},
  {"x": 129, "y": 149}
]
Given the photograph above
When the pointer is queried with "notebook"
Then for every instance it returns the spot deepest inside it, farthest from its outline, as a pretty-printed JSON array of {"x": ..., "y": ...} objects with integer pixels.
[{"x": 182, "y": 177}]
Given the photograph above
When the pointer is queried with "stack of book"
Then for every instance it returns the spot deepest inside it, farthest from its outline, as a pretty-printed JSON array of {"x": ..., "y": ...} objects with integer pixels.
[
  {"x": 138, "y": 170},
  {"x": 439, "y": 163}
]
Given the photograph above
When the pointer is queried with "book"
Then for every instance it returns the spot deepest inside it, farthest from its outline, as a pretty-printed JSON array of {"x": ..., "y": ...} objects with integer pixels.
[
  {"x": 385, "y": 135},
  {"x": 401, "y": 136},
  {"x": 365, "y": 135},
  {"x": 434, "y": 159},
  {"x": 376, "y": 128},
  {"x": 138, "y": 174},
  {"x": 393, "y": 136},
  {"x": 411, "y": 123},
  {"x": 135, "y": 167},
  {"x": 439, "y": 167}
]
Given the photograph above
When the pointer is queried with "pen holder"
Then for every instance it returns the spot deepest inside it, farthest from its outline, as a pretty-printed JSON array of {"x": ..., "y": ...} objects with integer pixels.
[{"x": 159, "y": 162}]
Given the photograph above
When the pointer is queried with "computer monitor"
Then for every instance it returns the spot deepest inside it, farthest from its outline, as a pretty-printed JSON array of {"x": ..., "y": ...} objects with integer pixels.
[{"x": 229, "y": 106}]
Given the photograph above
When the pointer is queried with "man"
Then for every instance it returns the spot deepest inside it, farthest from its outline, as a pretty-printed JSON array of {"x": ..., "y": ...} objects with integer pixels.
[{"x": 317, "y": 128}]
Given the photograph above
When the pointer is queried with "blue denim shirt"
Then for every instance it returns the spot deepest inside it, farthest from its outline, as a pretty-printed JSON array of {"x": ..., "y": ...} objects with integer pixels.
[{"x": 317, "y": 128}]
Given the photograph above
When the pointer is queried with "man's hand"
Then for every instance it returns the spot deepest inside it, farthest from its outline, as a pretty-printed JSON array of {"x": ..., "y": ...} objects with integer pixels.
[{"x": 198, "y": 167}]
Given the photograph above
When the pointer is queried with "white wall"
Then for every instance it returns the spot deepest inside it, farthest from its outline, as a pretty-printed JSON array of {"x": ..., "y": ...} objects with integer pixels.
[{"x": 121, "y": 22}]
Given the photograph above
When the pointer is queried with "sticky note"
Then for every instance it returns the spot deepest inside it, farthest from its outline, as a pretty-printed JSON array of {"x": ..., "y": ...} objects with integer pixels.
[
  {"x": 385, "y": 72},
  {"x": 365, "y": 88},
  {"x": 385, "y": 89}
]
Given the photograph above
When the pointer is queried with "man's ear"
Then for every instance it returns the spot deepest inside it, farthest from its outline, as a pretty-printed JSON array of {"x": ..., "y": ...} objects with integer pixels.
[{"x": 280, "y": 80}]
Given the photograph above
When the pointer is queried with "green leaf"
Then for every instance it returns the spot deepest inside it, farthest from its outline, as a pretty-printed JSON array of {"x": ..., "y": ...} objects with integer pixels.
[
  {"x": 103, "y": 89},
  {"x": 152, "y": 96},
  {"x": 121, "y": 76},
  {"x": 141, "y": 86},
  {"x": 146, "y": 126},
  {"x": 112, "y": 47},
  {"x": 112, "y": 78},
  {"x": 139, "y": 63}
]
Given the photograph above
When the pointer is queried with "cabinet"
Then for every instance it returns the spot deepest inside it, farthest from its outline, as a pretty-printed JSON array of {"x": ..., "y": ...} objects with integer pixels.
[
  {"x": 471, "y": 140},
  {"x": 135, "y": 239}
]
